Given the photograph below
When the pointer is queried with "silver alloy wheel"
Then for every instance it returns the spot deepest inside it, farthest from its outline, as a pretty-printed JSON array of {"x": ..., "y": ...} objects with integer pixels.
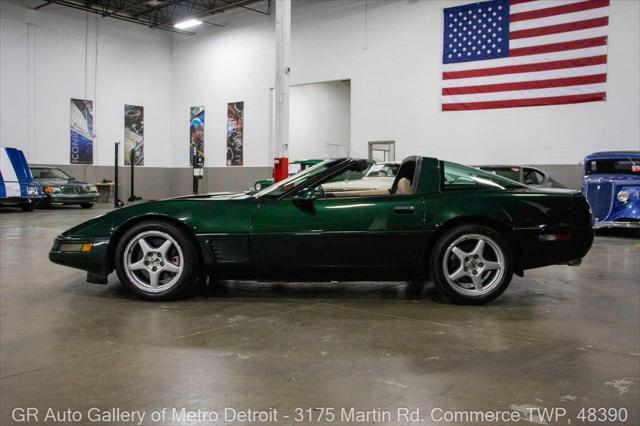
[
  {"x": 153, "y": 261},
  {"x": 473, "y": 265}
]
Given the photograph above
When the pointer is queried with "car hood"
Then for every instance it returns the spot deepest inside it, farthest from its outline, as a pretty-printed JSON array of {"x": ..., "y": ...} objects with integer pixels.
[
  {"x": 59, "y": 182},
  {"x": 180, "y": 208},
  {"x": 616, "y": 179},
  {"x": 213, "y": 196}
]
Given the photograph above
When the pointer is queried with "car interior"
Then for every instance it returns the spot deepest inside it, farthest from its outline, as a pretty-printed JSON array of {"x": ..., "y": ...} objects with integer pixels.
[{"x": 402, "y": 185}]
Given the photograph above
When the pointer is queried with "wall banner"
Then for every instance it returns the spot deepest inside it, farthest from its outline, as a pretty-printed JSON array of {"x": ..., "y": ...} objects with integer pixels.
[
  {"x": 134, "y": 134},
  {"x": 81, "y": 131},
  {"x": 196, "y": 139},
  {"x": 235, "y": 133}
]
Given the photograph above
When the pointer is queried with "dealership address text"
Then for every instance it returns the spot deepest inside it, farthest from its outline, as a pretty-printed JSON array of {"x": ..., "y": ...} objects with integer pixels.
[{"x": 319, "y": 415}]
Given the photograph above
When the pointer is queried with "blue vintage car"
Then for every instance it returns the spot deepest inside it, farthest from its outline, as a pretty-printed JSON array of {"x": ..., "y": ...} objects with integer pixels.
[
  {"x": 17, "y": 187},
  {"x": 611, "y": 184}
]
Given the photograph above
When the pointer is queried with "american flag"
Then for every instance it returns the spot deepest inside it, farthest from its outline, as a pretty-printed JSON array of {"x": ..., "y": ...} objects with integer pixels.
[{"x": 518, "y": 53}]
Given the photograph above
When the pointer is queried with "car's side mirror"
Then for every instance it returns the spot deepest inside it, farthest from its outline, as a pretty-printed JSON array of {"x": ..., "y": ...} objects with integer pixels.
[{"x": 305, "y": 198}]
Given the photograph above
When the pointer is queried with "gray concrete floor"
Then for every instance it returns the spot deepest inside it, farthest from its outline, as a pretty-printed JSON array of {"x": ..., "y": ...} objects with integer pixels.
[{"x": 560, "y": 337}]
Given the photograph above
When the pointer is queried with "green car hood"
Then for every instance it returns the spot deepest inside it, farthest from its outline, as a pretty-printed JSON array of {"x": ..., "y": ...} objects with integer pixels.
[{"x": 214, "y": 212}]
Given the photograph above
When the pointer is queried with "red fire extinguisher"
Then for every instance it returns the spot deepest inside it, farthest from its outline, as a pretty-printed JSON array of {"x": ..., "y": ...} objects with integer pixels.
[{"x": 280, "y": 169}]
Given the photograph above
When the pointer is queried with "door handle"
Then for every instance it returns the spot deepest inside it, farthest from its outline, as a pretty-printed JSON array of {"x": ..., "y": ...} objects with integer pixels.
[{"x": 404, "y": 209}]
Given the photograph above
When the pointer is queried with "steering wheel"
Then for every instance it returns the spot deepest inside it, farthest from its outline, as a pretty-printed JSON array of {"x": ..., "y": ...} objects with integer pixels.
[
  {"x": 320, "y": 190},
  {"x": 456, "y": 179},
  {"x": 529, "y": 178}
]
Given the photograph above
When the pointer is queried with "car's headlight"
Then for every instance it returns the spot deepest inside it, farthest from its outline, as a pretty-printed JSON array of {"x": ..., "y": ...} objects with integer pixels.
[
  {"x": 32, "y": 190},
  {"x": 51, "y": 189},
  {"x": 92, "y": 188},
  {"x": 258, "y": 186},
  {"x": 623, "y": 196}
]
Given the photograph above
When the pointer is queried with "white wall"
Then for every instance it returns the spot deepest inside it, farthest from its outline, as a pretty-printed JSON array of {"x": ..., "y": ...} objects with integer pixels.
[
  {"x": 235, "y": 64},
  {"x": 390, "y": 50},
  {"x": 54, "y": 54},
  {"x": 320, "y": 120},
  {"x": 392, "y": 55}
]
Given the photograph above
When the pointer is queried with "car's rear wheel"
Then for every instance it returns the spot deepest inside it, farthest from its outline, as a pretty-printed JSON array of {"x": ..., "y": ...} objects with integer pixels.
[
  {"x": 472, "y": 264},
  {"x": 86, "y": 205},
  {"x": 156, "y": 260}
]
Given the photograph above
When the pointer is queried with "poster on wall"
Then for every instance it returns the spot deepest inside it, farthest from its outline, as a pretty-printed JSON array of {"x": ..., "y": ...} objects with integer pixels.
[
  {"x": 134, "y": 134},
  {"x": 235, "y": 133},
  {"x": 196, "y": 139},
  {"x": 81, "y": 130}
]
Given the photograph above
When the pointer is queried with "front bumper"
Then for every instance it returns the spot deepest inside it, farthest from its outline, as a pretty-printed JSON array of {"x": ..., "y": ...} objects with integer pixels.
[
  {"x": 30, "y": 199},
  {"x": 73, "y": 198},
  {"x": 94, "y": 261}
]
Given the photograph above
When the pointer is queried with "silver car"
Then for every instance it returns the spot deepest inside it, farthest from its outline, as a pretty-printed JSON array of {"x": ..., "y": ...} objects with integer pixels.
[
  {"x": 524, "y": 174},
  {"x": 60, "y": 188}
]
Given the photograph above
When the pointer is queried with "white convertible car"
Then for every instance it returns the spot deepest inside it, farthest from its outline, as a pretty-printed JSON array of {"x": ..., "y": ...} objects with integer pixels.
[{"x": 378, "y": 176}]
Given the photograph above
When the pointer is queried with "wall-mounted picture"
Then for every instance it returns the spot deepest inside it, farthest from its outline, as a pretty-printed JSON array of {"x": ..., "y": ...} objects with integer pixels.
[
  {"x": 196, "y": 136},
  {"x": 235, "y": 133},
  {"x": 81, "y": 131},
  {"x": 134, "y": 134}
]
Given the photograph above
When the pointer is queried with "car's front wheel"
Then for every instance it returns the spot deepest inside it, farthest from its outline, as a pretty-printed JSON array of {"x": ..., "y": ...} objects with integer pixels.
[
  {"x": 472, "y": 264},
  {"x": 27, "y": 207},
  {"x": 156, "y": 260},
  {"x": 86, "y": 205}
]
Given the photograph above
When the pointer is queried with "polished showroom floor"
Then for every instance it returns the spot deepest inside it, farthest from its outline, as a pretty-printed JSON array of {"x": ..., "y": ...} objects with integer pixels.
[{"x": 559, "y": 337}]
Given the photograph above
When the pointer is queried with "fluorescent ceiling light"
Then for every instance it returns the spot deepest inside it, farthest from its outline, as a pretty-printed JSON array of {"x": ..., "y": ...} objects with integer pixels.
[{"x": 183, "y": 25}]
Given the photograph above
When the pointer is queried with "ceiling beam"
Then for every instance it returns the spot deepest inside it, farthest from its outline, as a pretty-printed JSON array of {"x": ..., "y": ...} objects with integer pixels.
[
  {"x": 158, "y": 7},
  {"x": 74, "y": 5},
  {"x": 46, "y": 3},
  {"x": 268, "y": 12}
]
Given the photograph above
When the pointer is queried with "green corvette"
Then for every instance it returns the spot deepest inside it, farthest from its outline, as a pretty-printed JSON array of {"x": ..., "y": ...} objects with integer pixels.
[{"x": 467, "y": 229}]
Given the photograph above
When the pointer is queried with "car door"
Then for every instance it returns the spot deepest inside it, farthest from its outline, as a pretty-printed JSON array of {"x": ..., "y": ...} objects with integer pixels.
[{"x": 379, "y": 232}]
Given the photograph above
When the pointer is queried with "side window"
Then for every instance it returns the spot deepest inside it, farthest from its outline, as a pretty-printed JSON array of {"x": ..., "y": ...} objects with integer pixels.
[
  {"x": 351, "y": 184},
  {"x": 457, "y": 176},
  {"x": 532, "y": 177}
]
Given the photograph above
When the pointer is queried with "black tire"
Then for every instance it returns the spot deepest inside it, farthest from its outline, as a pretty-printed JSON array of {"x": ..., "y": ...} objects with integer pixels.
[
  {"x": 456, "y": 290},
  {"x": 45, "y": 204},
  {"x": 189, "y": 261},
  {"x": 86, "y": 205},
  {"x": 27, "y": 207}
]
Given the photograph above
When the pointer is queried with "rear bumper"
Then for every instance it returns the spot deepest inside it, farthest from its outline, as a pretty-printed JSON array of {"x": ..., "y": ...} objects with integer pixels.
[
  {"x": 616, "y": 224},
  {"x": 537, "y": 251},
  {"x": 93, "y": 261}
]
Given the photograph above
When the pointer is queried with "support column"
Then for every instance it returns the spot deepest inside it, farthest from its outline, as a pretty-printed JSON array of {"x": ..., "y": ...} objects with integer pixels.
[{"x": 283, "y": 72}]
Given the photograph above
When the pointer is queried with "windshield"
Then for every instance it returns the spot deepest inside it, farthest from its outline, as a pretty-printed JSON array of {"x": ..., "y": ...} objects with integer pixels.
[
  {"x": 457, "y": 176},
  {"x": 49, "y": 174},
  {"x": 383, "y": 170},
  {"x": 294, "y": 181},
  {"x": 613, "y": 166}
]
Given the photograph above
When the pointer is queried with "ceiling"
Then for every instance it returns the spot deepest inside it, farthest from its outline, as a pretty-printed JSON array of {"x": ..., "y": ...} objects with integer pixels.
[{"x": 162, "y": 14}]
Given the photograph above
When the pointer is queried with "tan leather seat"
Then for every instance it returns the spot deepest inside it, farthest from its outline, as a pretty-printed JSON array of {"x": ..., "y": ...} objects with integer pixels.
[{"x": 404, "y": 187}]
